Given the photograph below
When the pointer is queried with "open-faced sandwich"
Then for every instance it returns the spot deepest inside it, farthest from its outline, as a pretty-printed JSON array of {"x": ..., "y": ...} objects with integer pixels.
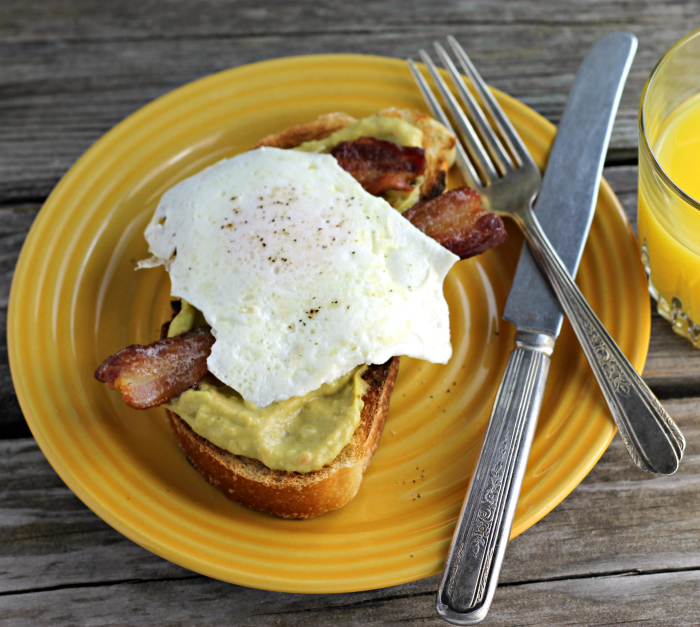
[{"x": 301, "y": 270}]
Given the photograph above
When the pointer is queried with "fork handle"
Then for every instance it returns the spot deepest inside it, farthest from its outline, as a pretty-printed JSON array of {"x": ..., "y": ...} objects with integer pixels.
[
  {"x": 474, "y": 560},
  {"x": 651, "y": 436}
]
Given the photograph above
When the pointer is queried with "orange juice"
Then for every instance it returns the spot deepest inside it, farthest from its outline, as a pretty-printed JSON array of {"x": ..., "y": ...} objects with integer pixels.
[
  {"x": 669, "y": 216},
  {"x": 677, "y": 147}
]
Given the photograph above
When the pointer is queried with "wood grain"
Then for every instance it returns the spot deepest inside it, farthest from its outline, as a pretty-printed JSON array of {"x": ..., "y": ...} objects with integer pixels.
[
  {"x": 14, "y": 226},
  {"x": 71, "y": 71},
  {"x": 624, "y": 544},
  {"x": 623, "y": 548}
]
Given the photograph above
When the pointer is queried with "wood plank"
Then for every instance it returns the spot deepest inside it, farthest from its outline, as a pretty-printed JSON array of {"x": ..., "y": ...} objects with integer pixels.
[
  {"x": 14, "y": 226},
  {"x": 69, "y": 73},
  {"x": 12, "y": 422},
  {"x": 673, "y": 365},
  {"x": 629, "y": 599},
  {"x": 15, "y": 222},
  {"x": 112, "y": 19},
  {"x": 624, "y": 181},
  {"x": 48, "y": 532},
  {"x": 624, "y": 546}
]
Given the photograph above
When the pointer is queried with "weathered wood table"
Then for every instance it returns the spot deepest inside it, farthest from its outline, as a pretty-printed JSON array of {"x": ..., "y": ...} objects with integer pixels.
[{"x": 624, "y": 547}]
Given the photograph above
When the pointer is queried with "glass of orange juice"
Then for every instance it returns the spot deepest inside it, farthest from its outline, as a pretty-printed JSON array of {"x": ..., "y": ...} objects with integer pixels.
[{"x": 669, "y": 185}]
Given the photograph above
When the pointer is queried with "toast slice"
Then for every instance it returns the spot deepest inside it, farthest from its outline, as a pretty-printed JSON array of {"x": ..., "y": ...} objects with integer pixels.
[
  {"x": 291, "y": 494},
  {"x": 305, "y": 495}
]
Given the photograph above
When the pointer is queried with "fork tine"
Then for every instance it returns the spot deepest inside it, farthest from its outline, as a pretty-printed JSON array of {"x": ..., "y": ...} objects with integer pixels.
[
  {"x": 462, "y": 160},
  {"x": 489, "y": 139},
  {"x": 509, "y": 134},
  {"x": 480, "y": 157}
]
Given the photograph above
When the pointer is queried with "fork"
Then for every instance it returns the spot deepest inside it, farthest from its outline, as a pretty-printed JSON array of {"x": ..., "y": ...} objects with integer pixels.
[
  {"x": 498, "y": 165},
  {"x": 508, "y": 181}
]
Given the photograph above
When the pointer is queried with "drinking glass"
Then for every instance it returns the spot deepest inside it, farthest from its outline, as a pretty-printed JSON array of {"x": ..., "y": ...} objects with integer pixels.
[{"x": 669, "y": 185}]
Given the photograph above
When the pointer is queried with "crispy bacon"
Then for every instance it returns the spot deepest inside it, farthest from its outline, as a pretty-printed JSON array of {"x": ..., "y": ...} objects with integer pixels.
[
  {"x": 458, "y": 222},
  {"x": 151, "y": 375},
  {"x": 380, "y": 165}
]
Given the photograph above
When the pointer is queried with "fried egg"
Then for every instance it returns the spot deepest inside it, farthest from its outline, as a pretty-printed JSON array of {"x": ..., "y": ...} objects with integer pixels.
[{"x": 300, "y": 272}]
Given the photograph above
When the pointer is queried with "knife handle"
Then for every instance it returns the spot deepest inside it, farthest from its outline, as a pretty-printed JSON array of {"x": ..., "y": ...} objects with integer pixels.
[
  {"x": 652, "y": 438},
  {"x": 474, "y": 560}
]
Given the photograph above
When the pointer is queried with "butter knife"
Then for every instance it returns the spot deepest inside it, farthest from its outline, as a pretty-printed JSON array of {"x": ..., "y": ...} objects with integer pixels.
[{"x": 564, "y": 208}]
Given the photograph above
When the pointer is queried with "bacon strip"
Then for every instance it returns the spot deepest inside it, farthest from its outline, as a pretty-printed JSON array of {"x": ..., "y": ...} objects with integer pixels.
[
  {"x": 458, "y": 222},
  {"x": 151, "y": 375},
  {"x": 380, "y": 165}
]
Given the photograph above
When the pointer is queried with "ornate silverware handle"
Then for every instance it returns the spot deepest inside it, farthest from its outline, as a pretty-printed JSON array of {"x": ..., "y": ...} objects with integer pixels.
[
  {"x": 474, "y": 561},
  {"x": 651, "y": 436}
]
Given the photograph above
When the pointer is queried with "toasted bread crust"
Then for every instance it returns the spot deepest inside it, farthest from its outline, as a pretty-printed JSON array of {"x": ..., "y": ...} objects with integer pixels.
[
  {"x": 320, "y": 128},
  {"x": 438, "y": 142},
  {"x": 292, "y": 494}
]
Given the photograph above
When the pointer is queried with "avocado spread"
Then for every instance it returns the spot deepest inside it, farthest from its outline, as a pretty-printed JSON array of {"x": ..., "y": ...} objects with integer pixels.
[
  {"x": 388, "y": 129},
  {"x": 300, "y": 434}
]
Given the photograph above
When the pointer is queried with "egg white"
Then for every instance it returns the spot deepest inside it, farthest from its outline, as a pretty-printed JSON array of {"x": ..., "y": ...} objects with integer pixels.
[{"x": 300, "y": 272}]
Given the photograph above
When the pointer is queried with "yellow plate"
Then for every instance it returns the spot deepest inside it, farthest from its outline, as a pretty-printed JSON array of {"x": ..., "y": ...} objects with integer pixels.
[{"x": 76, "y": 299}]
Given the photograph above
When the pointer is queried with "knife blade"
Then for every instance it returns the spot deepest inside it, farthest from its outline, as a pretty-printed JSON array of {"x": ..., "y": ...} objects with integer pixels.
[
  {"x": 566, "y": 202},
  {"x": 564, "y": 207}
]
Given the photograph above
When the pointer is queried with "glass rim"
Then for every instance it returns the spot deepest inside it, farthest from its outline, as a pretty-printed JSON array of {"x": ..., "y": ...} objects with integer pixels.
[{"x": 643, "y": 132}]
